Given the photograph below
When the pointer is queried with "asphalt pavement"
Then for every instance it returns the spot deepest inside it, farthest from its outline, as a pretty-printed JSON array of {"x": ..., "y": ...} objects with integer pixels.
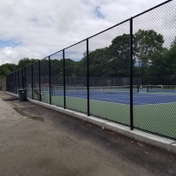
[{"x": 36, "y": 141}]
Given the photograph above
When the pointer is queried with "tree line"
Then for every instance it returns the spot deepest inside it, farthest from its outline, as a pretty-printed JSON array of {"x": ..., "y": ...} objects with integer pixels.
[
  {"x": 152, "y": 62},
  {"x": 8, "y": 68}
]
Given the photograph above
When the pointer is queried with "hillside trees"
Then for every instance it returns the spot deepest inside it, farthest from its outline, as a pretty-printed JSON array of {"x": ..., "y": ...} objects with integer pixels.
[
  {"x": 6, "y": 69},
  {"x": 163, "y": 68},
  {"x": 152, "y": 62},
  {"x": 148, "y": 49},
  {"x": 118, "y": 57},
  {"x": 114, "y": 60},
  {"x": 146, "y": 43},
  {"x": 25, "y": 62}
]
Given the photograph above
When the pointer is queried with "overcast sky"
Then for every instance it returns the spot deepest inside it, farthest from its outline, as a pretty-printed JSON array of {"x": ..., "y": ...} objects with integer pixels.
[{"x": 37, "y": 28}]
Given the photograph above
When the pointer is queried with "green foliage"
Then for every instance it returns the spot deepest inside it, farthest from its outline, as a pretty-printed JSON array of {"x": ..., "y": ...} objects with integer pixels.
[
  {"x": 147, "y": 43},
  {"x": 56, "y": 67},
  {"x": 25, "y": 62},
  {"x": 151, "y": 61},
  {"x": 98, "y": 62},
  {"x": 5, "y": 69},
  {"x": 170, "y": 63},
  {"x": 69, "y": 67},
  {"x": 163, "y": 67},
  {"x": 118, "y": 56}
]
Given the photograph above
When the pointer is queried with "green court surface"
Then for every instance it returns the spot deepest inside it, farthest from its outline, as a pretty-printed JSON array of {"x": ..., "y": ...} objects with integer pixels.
[{"x": 156, "y": 118}]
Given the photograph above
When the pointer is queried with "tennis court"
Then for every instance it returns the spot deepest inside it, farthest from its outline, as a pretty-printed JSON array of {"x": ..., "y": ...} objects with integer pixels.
[
  {"x": 120, "y": 94},
  {"x": 95, "y": 75},
  {"x": 154, "y": 108}
]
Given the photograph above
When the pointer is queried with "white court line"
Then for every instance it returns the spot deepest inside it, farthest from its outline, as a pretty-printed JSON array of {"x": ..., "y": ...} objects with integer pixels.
[
  {"x": 128, "y": 101},
  {"x": 133, "y": 102},
  {"x": 146, "y": 95},
  {"x": 159, "y": 94},
  {"x": 157, "y": 104},
  {"x": 145, "y": 104}
]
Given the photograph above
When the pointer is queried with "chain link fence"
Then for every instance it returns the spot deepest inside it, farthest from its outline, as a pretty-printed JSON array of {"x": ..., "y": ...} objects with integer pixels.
[{"x": 125, "y": 74}]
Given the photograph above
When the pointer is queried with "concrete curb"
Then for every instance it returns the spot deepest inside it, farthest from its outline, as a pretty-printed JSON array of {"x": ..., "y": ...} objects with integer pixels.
[{"x": 163, "y": 143}]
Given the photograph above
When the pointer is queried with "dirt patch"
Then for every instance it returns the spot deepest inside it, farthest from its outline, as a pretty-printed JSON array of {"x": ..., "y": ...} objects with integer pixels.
[
  {"x": 36, "y": 118},
  {"x": 10, "y": 99},
  {"x": 24, "y": 111}
]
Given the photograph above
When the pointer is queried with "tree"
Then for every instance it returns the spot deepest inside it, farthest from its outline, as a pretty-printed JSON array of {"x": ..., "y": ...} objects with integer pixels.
[
  {"x": 98, "y": 62},
  {"x": 57, "y": 67},
  {"x": 69, "y": 67},
  {"x": 163, "y": 67},
  {"x": 118, "y": 57},
  {"x": 146, "y": 44},
  {"x": 6, "y": 69},
  {"x": 169, "y": 63},
  {"x": 156, "y": 71},
  {"x": 25, "y": 62}
]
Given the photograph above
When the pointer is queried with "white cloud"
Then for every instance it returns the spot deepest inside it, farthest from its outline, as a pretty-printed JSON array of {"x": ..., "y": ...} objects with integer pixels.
[
  {"x": 43, "y": 27},
  {"x": 7, "y": 54}
]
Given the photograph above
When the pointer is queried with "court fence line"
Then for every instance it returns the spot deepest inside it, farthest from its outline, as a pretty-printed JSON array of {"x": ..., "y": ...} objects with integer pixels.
[{"x": 99, "y": 75}]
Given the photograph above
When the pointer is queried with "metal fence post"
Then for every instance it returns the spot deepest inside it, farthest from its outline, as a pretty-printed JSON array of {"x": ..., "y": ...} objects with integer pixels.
[
  {"x": 6, "y": 83},
  {"x": 15, "y": 82},
  {"x": 25, "y": 77},
  {"x": 39, "y": 75},
  {"x": 22, "y": 77},
  {"x": 9, "y": 81},
  {"x": 12, "y": 82},
  {"x": 64, "y": 79},
  {"x": 18, "y": 79},
  {"x": 10, "y": 87},
  {"x": 49, "y": 65},
  {"x": 131, "y": 73},
  {"x": 88, "y": 92},
  {"x": 32, "y": 81}
]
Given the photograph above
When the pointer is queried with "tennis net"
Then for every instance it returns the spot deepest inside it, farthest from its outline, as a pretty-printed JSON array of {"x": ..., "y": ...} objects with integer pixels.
[
  {"x": 161, "y": 88},
  {"x": 78, "y": 90}
]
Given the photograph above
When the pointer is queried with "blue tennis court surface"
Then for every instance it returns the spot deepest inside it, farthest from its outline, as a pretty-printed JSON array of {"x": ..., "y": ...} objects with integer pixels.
[
  {"x": 124, "y": 97},
  {"x": 138, "y": 98}
]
